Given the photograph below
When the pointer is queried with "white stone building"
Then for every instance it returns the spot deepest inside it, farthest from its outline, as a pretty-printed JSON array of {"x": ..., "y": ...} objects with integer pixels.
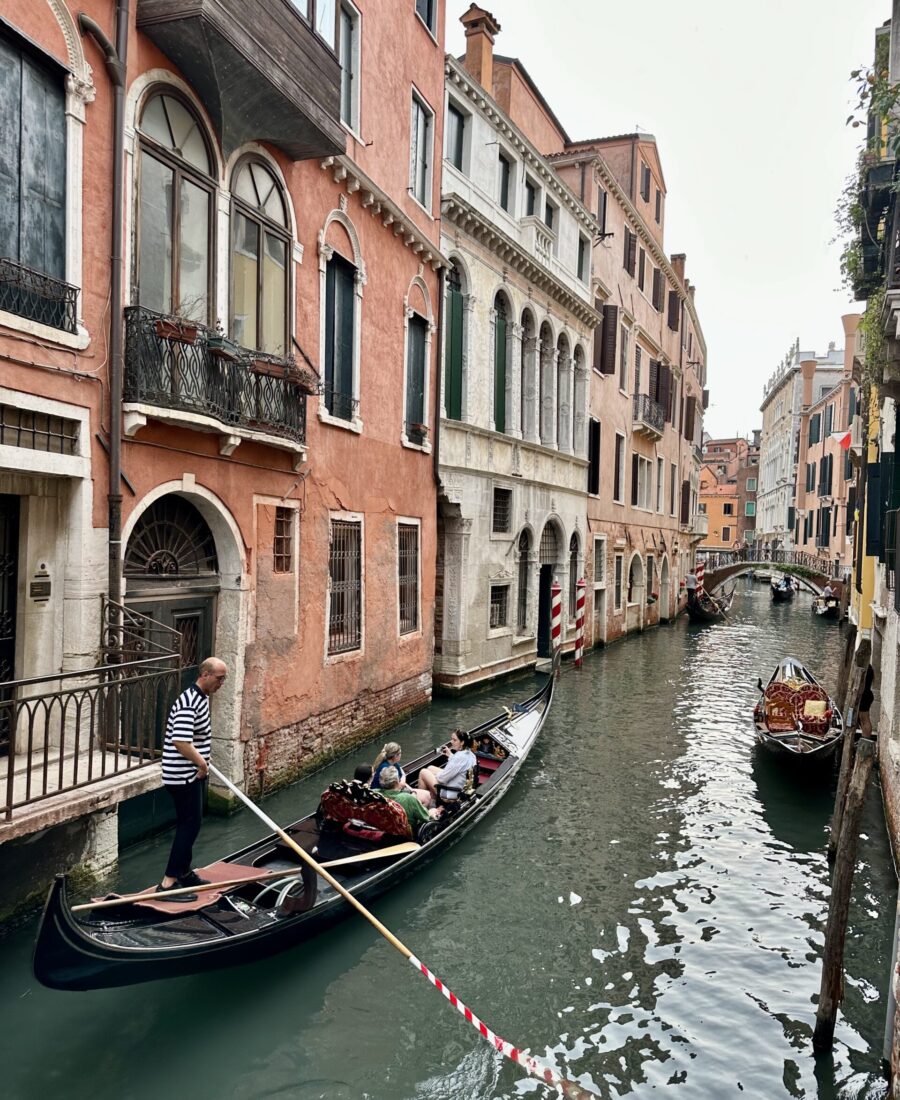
[{"x": 513, "y": 436}]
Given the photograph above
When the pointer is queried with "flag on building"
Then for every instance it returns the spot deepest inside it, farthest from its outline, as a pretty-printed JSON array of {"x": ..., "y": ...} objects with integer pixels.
[{"x": 843, "y": 438}]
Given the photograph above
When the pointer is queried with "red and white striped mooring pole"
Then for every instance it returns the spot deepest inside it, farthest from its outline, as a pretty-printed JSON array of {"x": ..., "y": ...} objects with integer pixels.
[
  {"x": 555, "y": 619},
  {"x": 579, "y": 622},
  {"x": 698, "y": 572}
]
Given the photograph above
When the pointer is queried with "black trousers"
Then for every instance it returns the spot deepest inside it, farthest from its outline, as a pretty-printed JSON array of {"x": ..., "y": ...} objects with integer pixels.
[{"x": 189, "y": 799}]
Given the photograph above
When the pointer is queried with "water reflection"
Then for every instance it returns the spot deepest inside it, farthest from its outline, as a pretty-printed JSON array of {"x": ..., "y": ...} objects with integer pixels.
[{"x": 645, "y": 909}]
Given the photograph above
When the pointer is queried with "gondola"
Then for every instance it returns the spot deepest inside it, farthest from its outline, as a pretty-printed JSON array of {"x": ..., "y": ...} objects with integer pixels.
[
  {"x": 782, "y": 590},
  {"x": 704, "y": 608},
  {"x": 826, "y": 607},
  {"x": 795, "y": 717},
  {"x": 132, "y": 942}
]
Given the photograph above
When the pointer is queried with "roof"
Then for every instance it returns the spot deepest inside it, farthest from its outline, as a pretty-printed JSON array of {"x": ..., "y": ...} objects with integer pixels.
[{"x": 517, "y": 64}]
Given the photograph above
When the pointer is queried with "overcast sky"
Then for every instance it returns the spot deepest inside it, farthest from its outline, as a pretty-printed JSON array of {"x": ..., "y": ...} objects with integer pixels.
[{"x": 748, "y": 104}]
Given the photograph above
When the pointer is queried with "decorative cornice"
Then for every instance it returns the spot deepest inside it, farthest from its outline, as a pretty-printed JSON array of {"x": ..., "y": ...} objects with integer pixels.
[
  {"x": 540, "y": 165},
  {"x": 638, "y": 224},
  {"x": 380, "y": 206},
  {"x": 477, "y": 226}
]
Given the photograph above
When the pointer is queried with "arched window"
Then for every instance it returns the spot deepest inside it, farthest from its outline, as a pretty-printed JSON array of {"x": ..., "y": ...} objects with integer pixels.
[
  {"x": 500, "y": 321},
  {"x": 573, "y": 574},
  {"x": 547, "y": 388},
  {"x": 453, "y": 367},
  {"x": 635, "y": 579},
  {"x": 524, "y": 568},
  {"x": 260, "y": 247},
  {"x": 175, "y": 252},
  {"x": 171, "y": 539},
  {"x": 563, "y": 397},
  {"x": 526, "y": 392}
]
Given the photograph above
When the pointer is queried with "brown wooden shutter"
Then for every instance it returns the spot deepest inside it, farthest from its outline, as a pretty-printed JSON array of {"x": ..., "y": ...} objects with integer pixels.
[
  {"x": 657, "y": 288},
  {"x": 690, "y": 416},
  {"x": 599, "y": 334},
  {"x": 654, "y": 379},
  {"x": 665, "y": 390},
  {"x": 674, "y": 308},
  {"x": 706, "y": 399},
  {"x": 594, "y": 457},
  {"x": 634, "y": 479},
  {"x": 685, "y": 502},
  {"x": 610, "y": 335}
]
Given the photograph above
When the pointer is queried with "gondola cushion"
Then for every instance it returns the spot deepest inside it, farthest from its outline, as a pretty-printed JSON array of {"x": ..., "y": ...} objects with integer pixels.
[{"x": 344, "y": 802}]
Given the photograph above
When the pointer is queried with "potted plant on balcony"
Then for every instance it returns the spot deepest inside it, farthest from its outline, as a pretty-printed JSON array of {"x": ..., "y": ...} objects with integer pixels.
[
  {"x": 178, "y": 329},
  {"x": 220, "y": 347},
  {"x": 304, "y": 378},
  {"x": 418, "y": 432}
]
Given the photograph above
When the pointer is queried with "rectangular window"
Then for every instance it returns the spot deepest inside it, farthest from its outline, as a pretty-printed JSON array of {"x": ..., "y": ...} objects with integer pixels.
[
  {"x": 642, "y": 267},
  {"x": 325, "y": 20},
  {"x": 619, "y": 473},
  {"x": 408, "y": 576},
  {"x": 815, "y": 428},
  {"x": 673, "y": 319},
  {"x": 617, "y": 594},
  {"x": 645, "y": 182},
  {"x": 456, "y": 132},
  {"x": 660, "y": 484},
  {"x": 420, "y": 152},
  {"x": 623, "y": 358},
  {"x": 504, "y": 178},
  {"x": 417, "y": 343},
  {"x": 602, "y": 201},
  {"x": 531, "y": 194},
  {"x": 673, "y": 477},
  {"x": 726, "y": 534},
  {"x": 658, "y": 206},
  {"x": 340, "y": 305},
  {"x": 501, "y": 516},
  {"x": 728, "y": 509},
  {"x": 750, "y": 508},
  {"x": 599, "y": 562},
  {"x": 550, "y": 215},
  {"x": 658, "y": 291},
  {"x": 584, "y": 259},
  {"x": 283, "y": 551},
  {"x": 425, "y": 9},
  {"x": 499, "y": 606},
  {"x": 829, "y": 420},
  {"x": 637, "y": 369},
  {"x": 629, "y": 258},
  {"x": 751, "y": 484},
  {"x": 593, "y": 486},
  {"x": 348, "y": 53},
  {"x": 345, "y": 586},
  {"x": 641, "y": 482}
]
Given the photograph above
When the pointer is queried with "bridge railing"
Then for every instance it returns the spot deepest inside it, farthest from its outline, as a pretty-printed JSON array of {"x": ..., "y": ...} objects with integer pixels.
[{"x": 828, "y": 567}]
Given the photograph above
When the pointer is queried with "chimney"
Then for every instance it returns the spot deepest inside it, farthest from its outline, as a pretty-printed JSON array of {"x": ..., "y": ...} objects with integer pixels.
[
  {"x": 481, "y": 27},
  {"x": 850, "y": 321},
  {"x": 678, "y": 260},
  {"x": 808, "y": 367}
]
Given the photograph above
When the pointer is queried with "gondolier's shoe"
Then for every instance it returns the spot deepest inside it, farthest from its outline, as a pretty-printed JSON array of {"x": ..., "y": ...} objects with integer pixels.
[
  {"x": 193, "y": 879},
  {"x": 175, "y": 886}
]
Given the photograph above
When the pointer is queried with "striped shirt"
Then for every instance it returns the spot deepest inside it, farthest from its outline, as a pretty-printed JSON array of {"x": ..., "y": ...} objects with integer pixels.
[{"x": 188, "y": 721}]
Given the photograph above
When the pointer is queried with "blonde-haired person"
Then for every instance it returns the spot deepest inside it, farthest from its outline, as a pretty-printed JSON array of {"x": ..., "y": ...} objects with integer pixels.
[{"x": 389, "y": 757}]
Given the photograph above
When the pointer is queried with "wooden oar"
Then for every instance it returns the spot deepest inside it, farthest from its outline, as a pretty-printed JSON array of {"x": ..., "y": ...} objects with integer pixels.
[
  {"x": 570, "y": 1089},
  {"x": 211, "y": 887}
]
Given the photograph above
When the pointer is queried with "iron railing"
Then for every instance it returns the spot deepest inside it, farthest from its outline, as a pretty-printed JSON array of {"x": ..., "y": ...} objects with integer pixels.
[
  {"x": 340, "y": 405},
  {"x": 345, "y": 582},
  {"x": 649, "y": 413},
  {"x": 38, "y": 297},
  {"x": 171, "y": 364},
  {"x": 76, "y": 728},
  {"x": 828, "y": 567}
]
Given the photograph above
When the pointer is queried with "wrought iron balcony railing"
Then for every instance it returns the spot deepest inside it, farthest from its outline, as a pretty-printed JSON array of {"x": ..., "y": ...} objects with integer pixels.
[
  {"x": 38, "y": 297},
  {"x": 340, "y": 405},
  {"x": 649, "y": 415},
  {"x": 178, "y": 365}
]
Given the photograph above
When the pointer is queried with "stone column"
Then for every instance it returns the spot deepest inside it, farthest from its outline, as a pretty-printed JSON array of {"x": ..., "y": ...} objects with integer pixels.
[
  {"x": 579, "y": 405},
  {"x": 530, "y": 369},
  {"x": 564, "y": 402},
  {"x": 549, "y": 356},
  {"x": 514, "y": 380}
]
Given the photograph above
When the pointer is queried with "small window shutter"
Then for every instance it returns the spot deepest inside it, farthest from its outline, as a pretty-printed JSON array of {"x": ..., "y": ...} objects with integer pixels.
[
  {"x": 851, "y": 508},
  {"x": 873, "y": 511},
  {"x": 665, "y": 390},
  {"x": 705, "y": 399},
  {"x": 599, "y": 333},
  {"x": 617, "y": 484},
  {"x": 685, "y": 502},
  {"x": 43, "y": 195},
  {"x": 632, "y": 253},
  {"x": 657, "y": 288},
  {"x": 10, "y": 143},
  {"x": 674, "y": 307},
  {"x": 594, "y": 457},
  {"x": 344, "y": 329},
  {"x": 453, "y": 365},
  {"x": 610, "y": 334},
  {"x": 626, "y": 240},
  {"x": 634, "y": 479},
  {"x": 690, "y": 406},
  {"x": 852, "y": 411},
  {"x": 654, "y": 379}
]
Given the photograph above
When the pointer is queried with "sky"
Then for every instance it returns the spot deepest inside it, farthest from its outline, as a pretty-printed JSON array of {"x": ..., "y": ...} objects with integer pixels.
[{"x": 748, "y": 104}]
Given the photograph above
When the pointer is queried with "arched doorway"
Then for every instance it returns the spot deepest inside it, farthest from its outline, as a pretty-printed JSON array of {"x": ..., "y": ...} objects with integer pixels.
[
  {"x": 549, "y": 560},
  {"x": 172, "y": 573}
]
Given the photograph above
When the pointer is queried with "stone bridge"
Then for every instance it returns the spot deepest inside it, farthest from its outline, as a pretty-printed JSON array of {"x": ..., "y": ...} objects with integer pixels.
[{"x": 812, "y": 572}]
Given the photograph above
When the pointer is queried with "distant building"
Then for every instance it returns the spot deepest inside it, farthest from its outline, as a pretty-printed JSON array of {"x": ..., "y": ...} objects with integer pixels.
[{"x": 728, "y": 486}]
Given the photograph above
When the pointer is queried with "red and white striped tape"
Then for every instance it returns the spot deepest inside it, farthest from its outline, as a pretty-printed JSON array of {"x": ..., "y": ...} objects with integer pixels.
[
  {"x": 535, "y": 1067},
  {"x": 579, "y": 622}
]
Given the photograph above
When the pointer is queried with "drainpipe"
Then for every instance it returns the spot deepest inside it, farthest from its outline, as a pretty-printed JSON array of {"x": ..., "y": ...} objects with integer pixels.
[{"x": 116, "y": 58}]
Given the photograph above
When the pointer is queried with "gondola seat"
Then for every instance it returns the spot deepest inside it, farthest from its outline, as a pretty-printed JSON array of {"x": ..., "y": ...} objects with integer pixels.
[
  {"x": 344, "y": 802},
  {"x": 788, "y": 705}
]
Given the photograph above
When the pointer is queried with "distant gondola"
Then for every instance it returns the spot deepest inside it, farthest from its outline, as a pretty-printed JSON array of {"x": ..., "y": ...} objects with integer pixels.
[
  {"x": 704, "y": 608},
  {"x": 795, "y": 717},
  {"x": 782, "y": 590},
  {"x": 826, "y": 607},
  {"x": 132, "y": 942}
]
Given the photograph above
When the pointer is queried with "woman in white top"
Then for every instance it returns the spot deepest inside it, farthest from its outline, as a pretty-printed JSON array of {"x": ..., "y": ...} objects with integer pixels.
[{"x": 452, "y": 777}]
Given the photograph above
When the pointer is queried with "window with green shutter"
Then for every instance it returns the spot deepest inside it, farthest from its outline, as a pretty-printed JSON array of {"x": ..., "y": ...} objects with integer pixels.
[
  {"x": 500, "y": 322},
  {"x": 453, "y": 364},
  {"x": 417, "y": 335},
  {"x": 340, "y": 305}
]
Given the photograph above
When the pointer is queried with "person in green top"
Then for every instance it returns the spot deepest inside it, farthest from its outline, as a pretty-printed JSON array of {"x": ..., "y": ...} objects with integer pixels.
[{"x": 416, "y": 814}]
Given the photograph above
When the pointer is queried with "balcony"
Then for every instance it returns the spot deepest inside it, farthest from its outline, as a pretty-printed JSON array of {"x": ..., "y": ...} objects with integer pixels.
[
  {"x": 259, "y": 68},
  {"x": 37, "y": 297},
  {"x": 180, "y": 374},
  {"x": 539, "y": 238},
  {"x": 649, "y": 416},
  {"x": 700, "y": 525}
]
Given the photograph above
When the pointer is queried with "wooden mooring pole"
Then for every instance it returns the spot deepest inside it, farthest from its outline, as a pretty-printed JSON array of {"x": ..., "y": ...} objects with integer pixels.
[
  {"x": 853, "y": 677},
  {"x": 831, "y": 991}
]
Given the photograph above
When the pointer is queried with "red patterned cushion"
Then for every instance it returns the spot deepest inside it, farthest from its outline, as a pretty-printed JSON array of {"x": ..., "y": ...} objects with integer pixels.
[{"x": 341, "y": 802}]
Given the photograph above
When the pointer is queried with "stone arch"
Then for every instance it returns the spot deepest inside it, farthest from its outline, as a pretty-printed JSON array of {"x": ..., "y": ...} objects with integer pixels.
[
  {"x": 575, "y": 569},
  {"x": 547, "y": 357},
  {"x": 418, "y": 294},
  {"x": 635, "y": 579},
  {"x": 564, "y": 388},
  {"x": 664, "y": 588},
  {"x": 525, "y": 557},
  {"x": 140, "y": 90},
  {"x": 341, "y": 218},
  {"x": 502, "y": 326},
  {"x": 81, "y": 70},
  {"x": 580, "y": 400},
  {"x": 252, "y": 148},
  {"x": 528, "y": 374}
]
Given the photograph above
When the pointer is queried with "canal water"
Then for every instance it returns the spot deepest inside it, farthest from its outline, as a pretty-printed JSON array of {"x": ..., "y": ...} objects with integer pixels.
[{"x": 645, "y": 909}]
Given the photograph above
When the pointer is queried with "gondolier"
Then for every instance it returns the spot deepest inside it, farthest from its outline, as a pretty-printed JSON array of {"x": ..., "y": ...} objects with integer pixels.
[{"x": 185, "y": 767}]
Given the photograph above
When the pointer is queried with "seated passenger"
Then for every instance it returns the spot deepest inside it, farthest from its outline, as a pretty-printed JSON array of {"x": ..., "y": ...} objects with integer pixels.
[
  {"x": 451, "y": 779},
  {"x": 416, "y": 814},
  {"x": 363, "y": 774},
  {"x": 389, "y": 757}
]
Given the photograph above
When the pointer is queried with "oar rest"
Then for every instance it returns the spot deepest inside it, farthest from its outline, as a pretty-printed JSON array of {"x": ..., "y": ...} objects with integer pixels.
[{"x": 348, "y": 802}]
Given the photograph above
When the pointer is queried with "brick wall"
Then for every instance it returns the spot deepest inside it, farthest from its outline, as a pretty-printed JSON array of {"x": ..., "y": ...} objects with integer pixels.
[{"x": 302, "y": 747}]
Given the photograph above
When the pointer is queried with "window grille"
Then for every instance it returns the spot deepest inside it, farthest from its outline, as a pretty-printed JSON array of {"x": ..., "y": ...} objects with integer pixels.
[
  {"x": 502, "y": 511},
  {"x": 499, "y": 605},
  {"x": 345, "y": 598},
  {"x": 549, "y": 546},
  {"x": 618, "y": 587},
  {"x": 599, "y": 562},
  {"x": 524, "y": 566},
  {"x": 408, "y": 576},
  {"x": 37, "y": 431},
  {"x": 283, "y": 544}
]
